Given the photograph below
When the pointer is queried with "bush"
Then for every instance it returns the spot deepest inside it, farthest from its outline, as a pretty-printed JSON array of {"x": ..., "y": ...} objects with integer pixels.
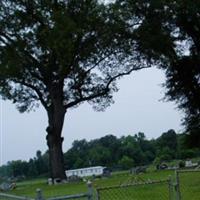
[{"x": 181, "y": 164}]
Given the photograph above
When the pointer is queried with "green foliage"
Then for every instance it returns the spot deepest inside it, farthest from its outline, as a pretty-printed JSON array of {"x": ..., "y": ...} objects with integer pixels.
[
  {"x": 116, "y": 153},
  {"x": 33, "y": 168},
  {"x": 167, "y": 145},
  {"x": 126, "y": 162},
  {"x": 63, "y": 48},
  {"x": 112, "y": 152},
  {"x": 181, "y": 164}
]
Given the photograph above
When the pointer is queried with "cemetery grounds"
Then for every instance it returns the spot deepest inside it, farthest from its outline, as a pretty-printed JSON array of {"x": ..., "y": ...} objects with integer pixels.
[{"x": 113, "y": 187}]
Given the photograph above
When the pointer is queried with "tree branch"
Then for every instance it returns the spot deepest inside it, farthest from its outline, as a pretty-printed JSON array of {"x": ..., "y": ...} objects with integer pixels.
[
  {"x": 73, "y": 103},
  {"x": 98, "y": 62},
  {"x": 36, "y": 90},
  {"x": 23, "y": 50},
  {"x": 105, "y": 90}
]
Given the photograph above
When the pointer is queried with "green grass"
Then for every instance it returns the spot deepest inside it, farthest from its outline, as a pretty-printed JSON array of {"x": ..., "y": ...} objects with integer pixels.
[
  {"x": 29, "y": 188},
  {"x": 190, "y": 187},
  {"x": 150, "y": 192}
]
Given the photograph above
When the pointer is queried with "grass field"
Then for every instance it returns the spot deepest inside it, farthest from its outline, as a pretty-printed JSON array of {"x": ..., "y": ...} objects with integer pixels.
[{"x": 190, "y": 187}]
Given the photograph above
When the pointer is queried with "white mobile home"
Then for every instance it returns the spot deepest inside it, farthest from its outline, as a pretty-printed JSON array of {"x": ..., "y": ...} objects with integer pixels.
[{"x": 83, "y": 172}]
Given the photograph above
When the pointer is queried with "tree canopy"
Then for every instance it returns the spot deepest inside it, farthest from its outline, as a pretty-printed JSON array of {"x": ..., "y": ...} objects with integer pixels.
[
  {"x": 61, "y": 54},
  {"x": 169, "y": 34},
  {"x": 77, "y": 48}
]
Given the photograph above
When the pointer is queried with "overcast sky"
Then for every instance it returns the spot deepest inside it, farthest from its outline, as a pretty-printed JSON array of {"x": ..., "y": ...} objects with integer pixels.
[{"x": 138, "y": 107}]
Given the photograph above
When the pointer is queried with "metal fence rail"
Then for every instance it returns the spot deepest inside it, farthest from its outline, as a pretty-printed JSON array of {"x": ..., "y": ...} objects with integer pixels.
[
  {"x": 83, "y": 196},
  {"x": 150, "y": 190},
  {"x": 4, "y": 196},
  {"x": 77, "y": 196},
  {"x": 39, "y": 196}
]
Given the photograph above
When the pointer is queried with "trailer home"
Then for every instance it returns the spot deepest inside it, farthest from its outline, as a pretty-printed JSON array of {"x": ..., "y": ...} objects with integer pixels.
[{"x": 89, "y": 171}]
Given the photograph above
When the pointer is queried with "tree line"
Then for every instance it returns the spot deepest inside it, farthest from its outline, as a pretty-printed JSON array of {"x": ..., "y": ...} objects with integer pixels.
[
  {"x": 35, "y": 167},
  {"x": 116, "y": 153}
]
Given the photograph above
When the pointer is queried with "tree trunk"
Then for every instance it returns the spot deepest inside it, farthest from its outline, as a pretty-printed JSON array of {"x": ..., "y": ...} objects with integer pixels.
[
  {"x": 57, "y": 169},
  {"x": 54, "y": 141}
]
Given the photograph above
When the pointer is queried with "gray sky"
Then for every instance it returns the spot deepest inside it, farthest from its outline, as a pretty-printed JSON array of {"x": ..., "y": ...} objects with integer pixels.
[{"x": 138, "y": 107}]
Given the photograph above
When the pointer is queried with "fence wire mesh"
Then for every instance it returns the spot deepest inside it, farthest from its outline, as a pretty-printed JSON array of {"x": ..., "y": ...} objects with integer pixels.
[
  {"x": 189, "y": 184},
  {"x": 158, "y": 190}
]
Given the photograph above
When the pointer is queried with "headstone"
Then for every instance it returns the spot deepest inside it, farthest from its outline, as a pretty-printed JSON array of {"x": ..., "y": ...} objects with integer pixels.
[
  {"x": 39, "y": 195},
  {"x": 5, "y": 186},
  {"x": 57, "y": 181},
  {"x": 50, "y": 181}
]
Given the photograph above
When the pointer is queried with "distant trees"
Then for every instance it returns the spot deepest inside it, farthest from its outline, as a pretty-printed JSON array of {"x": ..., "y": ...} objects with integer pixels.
[
  {"x": 168, "y": 139},
  {"x": 18, "y": 168},
  {"x": 37, "y": 166},
  {"x": 128, "y": 151},
  {"x": 167, "y": 145},
  {"x": 117, "y": 153},
  {"x": 126, "y": 162}
]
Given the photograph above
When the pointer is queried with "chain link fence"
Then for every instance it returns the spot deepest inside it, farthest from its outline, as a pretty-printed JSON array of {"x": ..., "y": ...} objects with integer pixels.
[
  {"x": 185, "y": 185},
  {"x": 84, "y": 196},
  {"x": 188, "y": 185},
  {"x": 152, "y": 190}
]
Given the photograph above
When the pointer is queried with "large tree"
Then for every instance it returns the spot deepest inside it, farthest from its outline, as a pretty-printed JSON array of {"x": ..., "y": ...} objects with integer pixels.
[
  {"x": 169, "y": 34},
  {"x": 61, "y": 53},
  {"x": 183, "y": 75}
]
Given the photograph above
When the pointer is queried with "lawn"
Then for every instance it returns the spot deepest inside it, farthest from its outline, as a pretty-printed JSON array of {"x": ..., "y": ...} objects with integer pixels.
[{"x": 190, "y": 187}]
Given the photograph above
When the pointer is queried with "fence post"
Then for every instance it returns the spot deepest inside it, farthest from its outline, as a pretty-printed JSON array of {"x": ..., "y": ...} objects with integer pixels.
[
  {"x": 170, "y": 185},
  {"x": 39, "y": 194},
  {"x": 177, "y": 186},
  {"x": 90, "y": 190},
  {"x": 97, "y": 195}
]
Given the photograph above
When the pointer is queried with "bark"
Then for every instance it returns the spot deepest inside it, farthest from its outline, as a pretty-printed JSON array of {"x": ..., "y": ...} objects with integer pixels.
[
  {"x": 56, "y": 117},
  {"x": 56, "y": 160}
]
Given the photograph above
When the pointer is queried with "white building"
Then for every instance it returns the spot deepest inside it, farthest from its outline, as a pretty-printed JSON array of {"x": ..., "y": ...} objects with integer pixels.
[
  {"x": 189, "y": 163},
  {"x": 83, "y": 172}
]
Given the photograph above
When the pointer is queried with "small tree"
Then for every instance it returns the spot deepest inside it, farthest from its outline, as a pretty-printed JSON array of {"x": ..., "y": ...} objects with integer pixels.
[
  {"x": 126, "y": 162},
  {"x": 61, "y": 53}
]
